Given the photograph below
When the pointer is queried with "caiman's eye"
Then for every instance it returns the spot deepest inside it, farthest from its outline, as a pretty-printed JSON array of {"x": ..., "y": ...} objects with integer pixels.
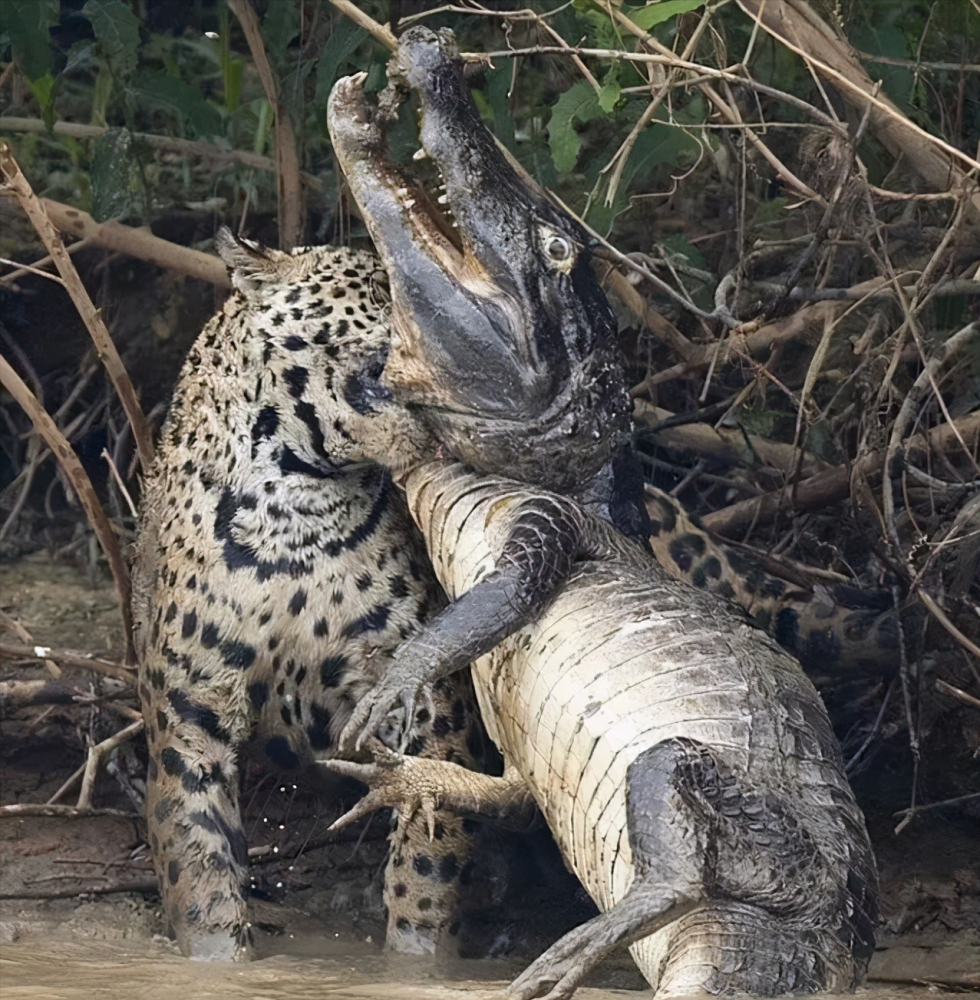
[{"x": 558, "y": 248}]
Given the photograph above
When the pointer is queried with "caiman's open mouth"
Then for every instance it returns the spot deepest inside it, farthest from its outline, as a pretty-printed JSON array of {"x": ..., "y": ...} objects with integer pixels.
[
  {"x": 502, "y": 340},
  {"x": 494, "y": 301}
]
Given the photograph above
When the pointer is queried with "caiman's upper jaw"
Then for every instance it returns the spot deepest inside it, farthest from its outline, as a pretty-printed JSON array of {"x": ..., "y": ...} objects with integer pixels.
[
  {"x": 452, "y": 328},
  {"x": 391, "y": 202}
]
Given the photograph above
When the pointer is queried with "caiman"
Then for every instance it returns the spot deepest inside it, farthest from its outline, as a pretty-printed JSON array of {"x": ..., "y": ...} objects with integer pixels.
[
  {"x": 704, "y": 804},
  {"x": 683, "y": 762}
]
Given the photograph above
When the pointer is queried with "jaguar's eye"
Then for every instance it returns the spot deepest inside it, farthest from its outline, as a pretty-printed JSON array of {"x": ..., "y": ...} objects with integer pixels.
[{"x": 558, "y": 248}]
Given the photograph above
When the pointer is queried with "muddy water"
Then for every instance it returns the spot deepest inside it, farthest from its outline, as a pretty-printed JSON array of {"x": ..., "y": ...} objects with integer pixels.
[{"x": 95, "y": 970}]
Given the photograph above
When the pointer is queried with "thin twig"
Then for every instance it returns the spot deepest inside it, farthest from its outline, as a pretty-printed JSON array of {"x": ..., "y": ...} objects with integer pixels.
[
  {"x": 289, "y": 189},
  {"x": 955, "y": 692},
  {"x": 69, "y": 659},
  {"x": 91, "y": 317},
  {"x": 381, "y": 32},
  {"x": 43, "y": 809},
  {"x": 829, "y": 487},
  {"x": 901, "y": 425},
  {"x": 143, "y": 885},
  {"x": 937, "y": 612},
  {"x": 79, "y": 479},
  {"x": 200, "y": 147},
  {"x": 139, "y": 243}
]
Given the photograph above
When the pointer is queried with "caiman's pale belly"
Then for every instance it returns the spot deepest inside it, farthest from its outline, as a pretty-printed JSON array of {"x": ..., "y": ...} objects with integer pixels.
[{"x": 612, "y": 668}]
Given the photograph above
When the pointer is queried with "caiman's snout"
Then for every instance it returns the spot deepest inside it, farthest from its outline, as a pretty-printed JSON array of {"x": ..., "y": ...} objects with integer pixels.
[{"x": 496, "y": 314}]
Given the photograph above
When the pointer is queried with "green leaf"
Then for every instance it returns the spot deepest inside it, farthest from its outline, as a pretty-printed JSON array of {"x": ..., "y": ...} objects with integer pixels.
[
  {"x": 170, "y": 92},
  {"x": 579, "y": 103},
  {"x": 340, "y": 46},
  {"x": 609, "y": 95},
  {"x": 43, "y": 89},
  {"x": 26, "y": 22},
  {"x": 661, "y": 10},
  {"x": 117, "y": 30},
  {"x": 115, "y": 177},
  {"x": 679, "y": 246},
  {"x": 279, "y": 28}
]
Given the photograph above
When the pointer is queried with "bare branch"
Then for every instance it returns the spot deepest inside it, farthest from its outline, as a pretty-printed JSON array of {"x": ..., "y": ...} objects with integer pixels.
[
  {"x": 91, "y": 316},
  {"x": 290, "y": 192},
  {"x": 79, "y": 479}
]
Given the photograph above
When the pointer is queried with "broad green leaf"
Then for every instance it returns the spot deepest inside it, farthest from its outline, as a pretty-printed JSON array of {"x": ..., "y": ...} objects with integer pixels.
[
  {"x": 101, "y": 93},
  {"x": 117, "y": 30},
  {"x": 115, "y": 178},
  {"x": 164, "y": 90},
  {"x": 661, "y": 10},
  {"x": 279, "y": 27},
  {"x": 26, "y": 23},
  {"x": 340, "y": 46},
  {"x": 497, "y": 92},
  {"x": 579, "y": 103},
  {"x": 679, "y": 246}
]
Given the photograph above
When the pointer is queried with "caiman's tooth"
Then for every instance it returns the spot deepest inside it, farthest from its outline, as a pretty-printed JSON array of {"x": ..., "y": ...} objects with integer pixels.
[
  {"x": 443, "y": 199},
  {"x": 402, "y": 192},
  {"x": 419, "y": 154},
  {"x": 409, "y": 202}
]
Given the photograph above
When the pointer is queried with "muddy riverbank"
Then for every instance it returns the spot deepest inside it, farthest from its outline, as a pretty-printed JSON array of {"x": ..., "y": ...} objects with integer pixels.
[{"x": 79, "y": 916}]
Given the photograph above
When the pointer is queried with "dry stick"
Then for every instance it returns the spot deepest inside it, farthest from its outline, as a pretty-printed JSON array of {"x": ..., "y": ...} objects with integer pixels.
[
  {"x": 12, "y": 625},
  {"x": 23, "y": 269},
  {"x": 915, "y": 810},
  {"x": 144, "y": 885},
  {"x": 140, "y": 243},
  {"x": 206, "y": 150},
  {"x": 941, "y": 617},
  {"x": 618, "y": 162},
  {"x": 79, "y": 479},
  {"x": 910, "y": 404},
  {"x": 829, "y": 487},
  {"x": 289, "y": 188},
  {"x": 70, "y": 660},
  {"x": 95, "y": 755},
  {"x": 797, "y": 26},
  {"x": 381, "y": 32},
  {"x": 91, "y": 316},
  {"x": 923, "y": 137},
  {"x": 69, "y": 812},
  {"x": 721, "y": 443},
  {"x": 955, "y": 692}
]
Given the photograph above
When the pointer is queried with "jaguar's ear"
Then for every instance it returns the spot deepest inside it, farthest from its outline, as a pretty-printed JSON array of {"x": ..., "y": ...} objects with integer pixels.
[{"x": 250, "y": 263}]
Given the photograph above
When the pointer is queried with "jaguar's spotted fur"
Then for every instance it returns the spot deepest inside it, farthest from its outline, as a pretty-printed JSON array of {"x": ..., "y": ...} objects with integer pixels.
[
  {"x": 276, "y": 574},
  {"x": 828, "y": 626}
]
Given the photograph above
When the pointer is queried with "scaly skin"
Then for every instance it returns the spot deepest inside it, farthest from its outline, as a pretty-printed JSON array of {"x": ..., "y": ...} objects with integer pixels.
[{"x": 682, "y": 760}]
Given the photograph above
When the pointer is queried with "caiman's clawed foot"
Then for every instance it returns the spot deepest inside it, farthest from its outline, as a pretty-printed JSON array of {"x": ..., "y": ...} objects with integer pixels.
[
  {"x": 419, "y": 784},
  {"x": 560, "y": 970},
  {"x": 408, "y": 784}
]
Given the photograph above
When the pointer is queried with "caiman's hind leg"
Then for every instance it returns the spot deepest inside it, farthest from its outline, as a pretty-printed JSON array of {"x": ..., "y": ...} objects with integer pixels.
[
  {"x": 194, "y": 826},
  {"x": 752, "y": 902}
]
